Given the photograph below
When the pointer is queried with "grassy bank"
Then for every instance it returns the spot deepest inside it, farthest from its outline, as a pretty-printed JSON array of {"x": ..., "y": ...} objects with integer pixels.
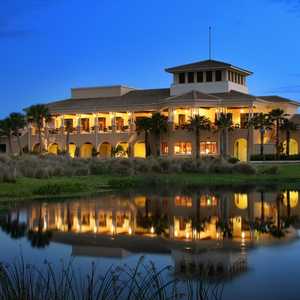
[{"x": 287, "y": 176}]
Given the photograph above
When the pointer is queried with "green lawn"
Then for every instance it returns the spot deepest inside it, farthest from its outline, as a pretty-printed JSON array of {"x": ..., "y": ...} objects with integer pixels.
[{"x": 28, "y": 188}]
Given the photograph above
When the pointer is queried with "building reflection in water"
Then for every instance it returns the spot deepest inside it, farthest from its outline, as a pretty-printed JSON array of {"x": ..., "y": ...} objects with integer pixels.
[
  {"x": 185, "y": 223},
  {"x": 180, "y": 217}
]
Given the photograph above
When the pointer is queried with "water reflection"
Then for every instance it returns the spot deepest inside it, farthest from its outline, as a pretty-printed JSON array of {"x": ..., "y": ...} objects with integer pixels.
[
  {"x": 203, "y": 231},
  {"x": 197, "y": 216}
]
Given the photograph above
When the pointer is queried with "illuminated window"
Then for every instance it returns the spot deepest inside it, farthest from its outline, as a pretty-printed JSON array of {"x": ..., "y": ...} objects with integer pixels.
[
  {"x": 164, "y": 148},
  {"x": 182, "y": 148},
  {"x": 208, "y": 148},
  {"x": 102, "y": 124},
  {"x": 208, "y": 200},
  {"x": 85, "y": 124},
  {"x": 119, "y": 123},
  {"x": 183, "y": 201}
]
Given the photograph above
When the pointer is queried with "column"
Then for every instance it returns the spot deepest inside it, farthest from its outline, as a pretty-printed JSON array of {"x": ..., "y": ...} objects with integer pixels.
[
  {"x": 113, "y": 121},
  {"x": 62, "y": 127},
  {"x": 250, "y": 135},
  {"x": 78, "y": 123},
  {"x": 96, "y": 129}
]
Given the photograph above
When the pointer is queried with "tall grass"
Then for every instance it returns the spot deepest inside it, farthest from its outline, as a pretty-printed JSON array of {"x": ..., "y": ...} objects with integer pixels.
[
  {"x": 46, "y": 166},
  {"x": 20, "y": 281}
]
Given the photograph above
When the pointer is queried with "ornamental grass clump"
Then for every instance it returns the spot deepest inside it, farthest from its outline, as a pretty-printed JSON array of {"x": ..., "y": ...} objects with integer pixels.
[{"x": 144, "y": 281}]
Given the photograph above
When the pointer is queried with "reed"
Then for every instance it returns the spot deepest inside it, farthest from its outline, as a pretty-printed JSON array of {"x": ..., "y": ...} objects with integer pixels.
[{"x": 21, "y": 281}]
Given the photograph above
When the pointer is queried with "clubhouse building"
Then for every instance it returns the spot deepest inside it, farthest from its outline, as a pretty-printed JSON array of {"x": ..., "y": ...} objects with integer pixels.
[{"x": 100, "y": 118}]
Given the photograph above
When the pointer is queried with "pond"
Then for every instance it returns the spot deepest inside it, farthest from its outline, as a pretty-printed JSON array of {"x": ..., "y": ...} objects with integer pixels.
[{"x": 246, "y": 240}]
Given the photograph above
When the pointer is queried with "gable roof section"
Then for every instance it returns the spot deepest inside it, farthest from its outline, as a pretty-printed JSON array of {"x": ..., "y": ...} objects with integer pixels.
[
  {"x": 136, "y": 99},
  {"x": 206, "y": 65},
  {"x": 278, "y": 99}
]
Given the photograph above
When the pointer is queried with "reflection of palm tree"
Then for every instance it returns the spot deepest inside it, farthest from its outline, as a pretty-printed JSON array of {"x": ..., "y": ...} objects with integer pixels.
[
  {"x": 39, "y": 238},
  {"x": 69, "y": 217}
]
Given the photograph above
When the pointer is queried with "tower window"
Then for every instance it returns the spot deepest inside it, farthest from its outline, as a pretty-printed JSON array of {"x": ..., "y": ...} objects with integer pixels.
[
  {"x": 199, "y": 76},
  {"x": 218, "y": 75},
  {"x": 209, "y": 76},
  {"x": 181, "y": 77},
  {"x": 2, "y": 148},
  {"x": 190, "y": 77}
]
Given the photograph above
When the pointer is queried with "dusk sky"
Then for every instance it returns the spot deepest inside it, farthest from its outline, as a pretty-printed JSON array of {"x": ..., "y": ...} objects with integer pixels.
[{"x": 47, "y": 47}]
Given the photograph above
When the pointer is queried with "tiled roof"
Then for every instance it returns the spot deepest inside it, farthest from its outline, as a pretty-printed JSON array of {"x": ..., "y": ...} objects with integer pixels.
[
  {"x": 143, "y": 99},
  {"x": 205, "y": 65},
  {"x": 278, "y": 99}
]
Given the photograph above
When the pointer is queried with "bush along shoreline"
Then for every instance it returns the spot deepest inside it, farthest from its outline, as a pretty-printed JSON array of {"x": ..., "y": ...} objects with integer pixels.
[{"x": 48, "y": 166}]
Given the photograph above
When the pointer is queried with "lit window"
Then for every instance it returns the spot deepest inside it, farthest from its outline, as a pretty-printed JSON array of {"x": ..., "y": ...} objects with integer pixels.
[
  {"x": 218, "y": 75},
  {"x": 190, "y": 77},
  {"x": 183, "y": 201},
  {"x": 181, "y": 77},
  {"x": 85, "y": 124},
  {"x": 199, "y": 76},
  {"x": 164, "y": 148},
  {"x": 208, "y": 148},
  {"x": 182, "y": 148},
  {"x": 209, "y": 76}
]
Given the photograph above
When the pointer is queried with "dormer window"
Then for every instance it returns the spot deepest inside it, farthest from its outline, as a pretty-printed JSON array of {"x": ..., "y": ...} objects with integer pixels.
[
  {"x": 199, "y": 76},
  {"x": 190, "y": 77},
  {"x": 181, "y": 77},
  {"x": 218, "y": 75},
  {"x": 208, "y": 76}
]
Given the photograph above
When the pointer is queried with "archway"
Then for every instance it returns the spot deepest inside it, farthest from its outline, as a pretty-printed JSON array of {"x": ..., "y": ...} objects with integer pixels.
[
  {"x": 105, "y": 150},
  {"x": 240, "y": 149},
  {"x": 53, "y": 149},
  {"x": 86, "y": 150},
  {"x": 241, "y": 200},
  {"x": 293, "y": 147},
  {"x": 72, "y": 150},
  {"x": 139, "y": 149},
  {"x": 294, "y": 197}
]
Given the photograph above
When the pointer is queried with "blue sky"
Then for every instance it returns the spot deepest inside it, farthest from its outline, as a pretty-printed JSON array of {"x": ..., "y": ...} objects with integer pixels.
[{"x": 49, "y": 46}]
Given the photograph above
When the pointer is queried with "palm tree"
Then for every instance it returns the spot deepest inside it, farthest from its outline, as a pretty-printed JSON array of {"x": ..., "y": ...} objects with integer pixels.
[
  {"x": 68, "y": 128},
  {"x": 17, "y": 123},
  {"x": 287, "y": 126},
  {"x": 197, "y": 123},
  {"x": 6, "y": 131},
  {"x": 262, "y": 123},
  {"x": 144, "y": 125},
  {"x": 224, "y": 124},
  {"x": 158, "y": 124},
  {"x": 37, "y": 114},
  {"x": 277, "y": 117}
]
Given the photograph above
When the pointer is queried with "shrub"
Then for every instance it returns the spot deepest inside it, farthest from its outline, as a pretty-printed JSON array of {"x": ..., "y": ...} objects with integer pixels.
[
  {"x": 233, "y": 160},
  {"x": 244, "y": 168},
  {"x": 268, "y": 157},
  {"x": 271, "y": 170}
]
